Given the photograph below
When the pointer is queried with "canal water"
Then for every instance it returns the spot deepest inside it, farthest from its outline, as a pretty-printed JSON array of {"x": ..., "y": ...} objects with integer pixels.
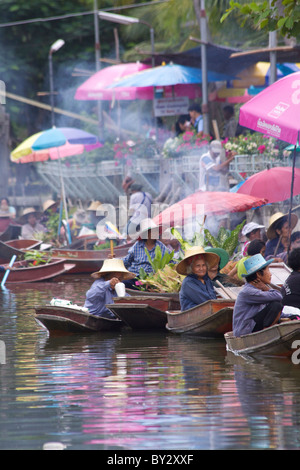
[{"x": 134, "y": 391}]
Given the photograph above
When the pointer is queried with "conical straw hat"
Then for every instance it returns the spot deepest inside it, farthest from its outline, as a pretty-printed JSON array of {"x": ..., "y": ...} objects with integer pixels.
[
  {"x": 211, "y": 258},
  {"x": 274, "y": 219},
  {"x": 113, "y": 265}
]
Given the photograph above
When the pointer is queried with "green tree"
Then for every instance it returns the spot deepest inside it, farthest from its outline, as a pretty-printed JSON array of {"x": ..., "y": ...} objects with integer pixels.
[{"x": 280, "y": 15}]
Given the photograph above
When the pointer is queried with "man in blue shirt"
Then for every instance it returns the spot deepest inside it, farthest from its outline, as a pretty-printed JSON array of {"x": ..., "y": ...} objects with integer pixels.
[
  {"x": 137, "y": 257},
  {"x": 257, "y": 306}
]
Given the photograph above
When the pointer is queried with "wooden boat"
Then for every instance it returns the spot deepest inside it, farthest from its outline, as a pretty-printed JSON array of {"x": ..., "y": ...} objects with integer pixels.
[
  {"x": 13, "y": 231},
  {"x": 143, "y": 312},
  {"x": 89, "y": 261},
  {"x": 22, "y": 272},
  {"x": 209, "y": 320},
  {"x": 63, "y": 320},
  {"x": 16, "y": 247},
  {"x": 277, "y": 340}
]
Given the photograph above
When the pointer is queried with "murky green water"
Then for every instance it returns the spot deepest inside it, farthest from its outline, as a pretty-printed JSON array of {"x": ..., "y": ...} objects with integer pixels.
[{"x": 135, "y": 391}]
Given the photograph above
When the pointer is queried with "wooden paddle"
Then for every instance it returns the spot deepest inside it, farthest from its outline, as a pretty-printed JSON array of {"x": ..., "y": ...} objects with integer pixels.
[{"x": 13, "y": 259}]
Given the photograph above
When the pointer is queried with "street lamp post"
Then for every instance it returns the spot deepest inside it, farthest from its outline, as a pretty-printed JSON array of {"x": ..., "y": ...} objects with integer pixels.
[
  {"x": 54, "y": 48},
  {"x": 127, "y": 20}
]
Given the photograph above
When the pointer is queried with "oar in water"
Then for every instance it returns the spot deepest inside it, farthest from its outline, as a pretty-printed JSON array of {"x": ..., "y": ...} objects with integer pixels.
[{"x": 13, "y": 259}]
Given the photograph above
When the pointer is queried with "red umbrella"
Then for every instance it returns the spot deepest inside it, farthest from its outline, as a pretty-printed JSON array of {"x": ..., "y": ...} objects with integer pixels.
[
  {"x": 273, "y": 184},
  {"x": 206, "y": 203}
]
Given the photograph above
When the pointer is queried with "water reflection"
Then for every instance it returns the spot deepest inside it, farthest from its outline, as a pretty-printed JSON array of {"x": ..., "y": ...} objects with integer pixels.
[{"x": 131, "y": 390}]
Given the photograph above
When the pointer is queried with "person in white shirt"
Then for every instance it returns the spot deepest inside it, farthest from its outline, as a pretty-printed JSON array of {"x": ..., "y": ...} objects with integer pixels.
[
  {"x": 32, "y": 228},
  {"x": 212, "y": 170},
  {"x": 139, "y": 206}
]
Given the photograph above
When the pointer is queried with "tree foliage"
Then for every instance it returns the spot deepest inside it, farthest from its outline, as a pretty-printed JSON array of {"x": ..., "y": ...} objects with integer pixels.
[{"x": 283, "y": 15}]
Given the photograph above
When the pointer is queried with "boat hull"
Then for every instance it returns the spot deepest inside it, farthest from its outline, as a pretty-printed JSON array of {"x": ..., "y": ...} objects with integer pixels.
[
  {"x": 143, "y": 312},
  {"x": 89, "y": 261},
  {"x": 276, "y": 340},
  {"x": 62, "y": 320},
  {"x": 212, "y": 319},
  {"x": 22, "y": 273}
]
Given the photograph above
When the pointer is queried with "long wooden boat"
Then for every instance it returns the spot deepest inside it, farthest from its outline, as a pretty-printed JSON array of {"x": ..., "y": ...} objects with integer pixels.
[
  {"x": 64, "y": 320},
  {"x": 143, "y": 312},
  {"x": 13, "y": 231},
  {"x": 22, "y": 272},
  {"x": 277, "y": 340},
  {"x": 211, "y": 319},
  {"x": 89, "y": 261}
]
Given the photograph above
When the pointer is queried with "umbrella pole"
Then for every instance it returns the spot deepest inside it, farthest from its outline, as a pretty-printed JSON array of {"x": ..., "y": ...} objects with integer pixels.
[
  {"x": 291, "y": 197},
  {"x": 63, "y": 197}
]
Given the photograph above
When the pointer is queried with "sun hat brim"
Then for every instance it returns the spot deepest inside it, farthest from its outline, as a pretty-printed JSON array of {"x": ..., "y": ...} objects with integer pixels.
[
  {"x": 224, "y": 256},
  {"x": 211, "y": 258},
  {"x": 110, "y": 266},
  {"x": 259, "y": 268},
  {"x": 271, "y": 232}
]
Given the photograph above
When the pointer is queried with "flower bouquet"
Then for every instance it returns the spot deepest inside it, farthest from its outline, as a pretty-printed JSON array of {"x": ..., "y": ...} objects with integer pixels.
[
  {"x": 252, "y": 144},
  {"x": 184, "y": 144}
]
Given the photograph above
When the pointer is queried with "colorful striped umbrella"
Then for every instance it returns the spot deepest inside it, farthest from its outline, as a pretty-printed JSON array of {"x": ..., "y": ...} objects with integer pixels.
[{"x": 55, "y": 143}]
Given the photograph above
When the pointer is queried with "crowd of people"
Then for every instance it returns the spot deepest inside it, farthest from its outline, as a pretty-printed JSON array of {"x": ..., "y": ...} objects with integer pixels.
[{"x": 259, "y": 304}]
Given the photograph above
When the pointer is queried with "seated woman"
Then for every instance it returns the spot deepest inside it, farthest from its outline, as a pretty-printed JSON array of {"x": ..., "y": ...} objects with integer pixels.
[
  {"x": 279, "y": 233},
  {"x": 257, "y": 305},
  {"x": 196, "y": 287},
  {"x": 291, "y": 287},
  {"x": 102, "y": 290},
  {"x": 31, "y": 226}
]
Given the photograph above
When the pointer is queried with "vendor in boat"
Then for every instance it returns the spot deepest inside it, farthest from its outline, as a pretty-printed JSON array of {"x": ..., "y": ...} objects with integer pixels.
[
  {"x": 148, "y": 238},
  {"x": 257, "y": 306},
  {"x": 102, "y": 290},
  {"x": 196, "y": 287},
  {"x": 31, "y": 226},
  {"x": 279, "y": 233}
]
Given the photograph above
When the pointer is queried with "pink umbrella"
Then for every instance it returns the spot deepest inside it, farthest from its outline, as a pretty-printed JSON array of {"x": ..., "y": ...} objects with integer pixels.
[
  {"x": 206, "y": 203},
  {"x": 95, "y": 88},
  {"x": 275, "y": 110},
  {"x": 273, "y": 184}
]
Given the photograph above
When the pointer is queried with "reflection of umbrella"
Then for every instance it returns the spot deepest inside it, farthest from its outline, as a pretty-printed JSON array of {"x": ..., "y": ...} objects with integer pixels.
[
  {"x": 55, "y": 143},
  {"x": 171, "y": 74},
  {"x": 275, "y": 112},
  {"x": 96, "y": 87},
  {"x": 206, "y": 203},
  {"x": 273, "y": 184}
]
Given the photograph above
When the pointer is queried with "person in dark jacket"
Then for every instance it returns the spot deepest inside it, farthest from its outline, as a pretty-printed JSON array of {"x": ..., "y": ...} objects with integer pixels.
[{"x": 196, "y": 287}]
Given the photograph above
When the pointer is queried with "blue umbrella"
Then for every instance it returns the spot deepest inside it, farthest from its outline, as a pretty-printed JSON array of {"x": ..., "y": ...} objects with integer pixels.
[{"x": 168, "y": 75}]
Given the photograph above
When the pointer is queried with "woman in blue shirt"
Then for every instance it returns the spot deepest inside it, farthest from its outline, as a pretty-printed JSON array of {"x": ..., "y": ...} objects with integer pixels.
[{"x": 196, "y": 287}]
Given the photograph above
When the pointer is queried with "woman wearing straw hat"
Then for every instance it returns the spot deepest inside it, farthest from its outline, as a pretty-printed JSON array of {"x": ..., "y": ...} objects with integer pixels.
[
  {"x": 137, "y": 258},
  {"x": 196, "y": 287},
  {"x": 279, "y": 233},
  {"x": 257, "y": 306},
  {"x": 31, "y": 228},
  {"x": 102, "y": 290}
]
